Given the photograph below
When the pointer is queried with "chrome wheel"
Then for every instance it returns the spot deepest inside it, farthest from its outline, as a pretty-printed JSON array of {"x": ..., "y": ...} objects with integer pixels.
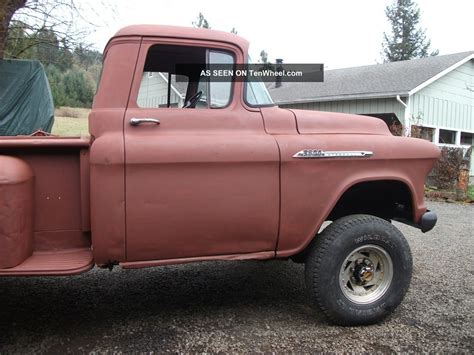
[{"x": 366, "y": 274}]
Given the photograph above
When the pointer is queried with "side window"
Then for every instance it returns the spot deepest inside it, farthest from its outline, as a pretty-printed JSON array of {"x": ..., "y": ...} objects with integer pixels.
[
  {"x": 220, "y": 91},
  {"x": 172, "y": 78}
]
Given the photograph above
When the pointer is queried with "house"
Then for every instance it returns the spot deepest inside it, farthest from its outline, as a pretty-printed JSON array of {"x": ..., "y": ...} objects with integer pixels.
[
  {"x": 435, "y": 93},
  {"x": 154, "y": 91}
]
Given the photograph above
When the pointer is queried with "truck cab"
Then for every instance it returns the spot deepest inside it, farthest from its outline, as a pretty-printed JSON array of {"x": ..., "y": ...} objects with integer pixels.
[{"x": 179, "y": 169}]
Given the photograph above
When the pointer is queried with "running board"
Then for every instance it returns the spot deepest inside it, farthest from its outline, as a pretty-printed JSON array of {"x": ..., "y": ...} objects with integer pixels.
[
  {"x": 262, "y": 255},
  {"x": 59, "y": 262}
]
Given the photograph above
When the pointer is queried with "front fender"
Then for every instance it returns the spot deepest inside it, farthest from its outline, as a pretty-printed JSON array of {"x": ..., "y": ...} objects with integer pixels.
[{"x": 310, "y": 188}]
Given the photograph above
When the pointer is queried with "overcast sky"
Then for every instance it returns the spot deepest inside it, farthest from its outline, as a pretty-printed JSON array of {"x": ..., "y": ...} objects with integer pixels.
[{"x": 338, "y": 33}]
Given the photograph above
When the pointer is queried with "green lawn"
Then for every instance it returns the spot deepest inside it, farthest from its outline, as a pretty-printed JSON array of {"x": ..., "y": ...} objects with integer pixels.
[
  {"x": 470, "y": 192},
  {"x": 71, "y": 122},
  {"x": 70, "y": 127}
]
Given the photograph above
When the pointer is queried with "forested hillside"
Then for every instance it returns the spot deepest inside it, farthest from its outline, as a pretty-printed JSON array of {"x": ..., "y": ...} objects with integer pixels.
[{"x": 73, "y": 73}]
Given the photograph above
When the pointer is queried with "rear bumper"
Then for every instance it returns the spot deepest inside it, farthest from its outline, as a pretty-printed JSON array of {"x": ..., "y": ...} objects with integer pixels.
[{"x": 428, "y": 221}]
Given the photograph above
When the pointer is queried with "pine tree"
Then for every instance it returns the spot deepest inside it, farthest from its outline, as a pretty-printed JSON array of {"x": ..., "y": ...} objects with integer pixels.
[
  {"x": 266, "y": 64},
  {"x": 47, "y": 46},
  {"x": 201, "y": 22},
  {"x": 406, "y": 40}
]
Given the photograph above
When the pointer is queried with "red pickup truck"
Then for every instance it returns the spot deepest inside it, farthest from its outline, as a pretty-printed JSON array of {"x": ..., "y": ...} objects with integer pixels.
[{"x": 178, "y": 171}]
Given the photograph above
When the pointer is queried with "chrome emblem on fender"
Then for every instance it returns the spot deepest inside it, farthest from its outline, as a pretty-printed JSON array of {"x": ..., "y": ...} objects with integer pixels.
[{"x": 318, "y": 153}]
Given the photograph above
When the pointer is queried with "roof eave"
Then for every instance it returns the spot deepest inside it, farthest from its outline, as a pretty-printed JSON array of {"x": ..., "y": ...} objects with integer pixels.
[
  {"x": 441, "y": 74},
  {"x": 406, "y": 93}
]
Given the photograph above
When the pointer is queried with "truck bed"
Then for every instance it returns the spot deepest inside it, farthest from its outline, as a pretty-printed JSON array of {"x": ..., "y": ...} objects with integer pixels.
[{"x": 61, "y": 228}]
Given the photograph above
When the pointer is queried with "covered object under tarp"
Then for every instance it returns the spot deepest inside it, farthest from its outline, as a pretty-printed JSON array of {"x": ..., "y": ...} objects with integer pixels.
[{"x": 26, "y": 103}]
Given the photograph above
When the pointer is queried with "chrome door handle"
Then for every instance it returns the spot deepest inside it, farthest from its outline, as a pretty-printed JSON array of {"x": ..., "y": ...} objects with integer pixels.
[{"x": 138, "y": 121}]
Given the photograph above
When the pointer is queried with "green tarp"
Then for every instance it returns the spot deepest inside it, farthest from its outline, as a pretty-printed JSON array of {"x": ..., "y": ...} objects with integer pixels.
[{"x": 26, "y": 103}]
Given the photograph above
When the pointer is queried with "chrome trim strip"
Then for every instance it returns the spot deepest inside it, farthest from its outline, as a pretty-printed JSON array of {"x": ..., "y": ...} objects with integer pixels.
[{"x": 317, "y": 153}]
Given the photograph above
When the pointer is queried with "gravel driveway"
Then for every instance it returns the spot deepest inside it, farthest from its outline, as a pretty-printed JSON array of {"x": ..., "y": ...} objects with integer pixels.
[{"x": 242, "y": 306}]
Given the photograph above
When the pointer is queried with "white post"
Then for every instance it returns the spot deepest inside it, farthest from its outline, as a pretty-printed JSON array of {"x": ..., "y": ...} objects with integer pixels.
[
  {"x": 407, "y": 118},
  {"x": 436, "y": 136},
  {"x": 457, "y": 140}
]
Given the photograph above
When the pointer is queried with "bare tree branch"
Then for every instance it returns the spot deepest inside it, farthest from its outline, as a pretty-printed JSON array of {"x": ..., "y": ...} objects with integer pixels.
[{"x": 71, "y": 21}]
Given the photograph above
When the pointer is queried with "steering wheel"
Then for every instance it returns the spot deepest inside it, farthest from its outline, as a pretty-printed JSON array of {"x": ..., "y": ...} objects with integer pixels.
[{"x": 193, "y": 100}]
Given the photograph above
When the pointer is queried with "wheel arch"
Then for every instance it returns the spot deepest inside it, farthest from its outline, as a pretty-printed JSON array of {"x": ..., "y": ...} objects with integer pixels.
[
  {"x": 402, "y": 208},
  {"x": 390, "y": 198}
]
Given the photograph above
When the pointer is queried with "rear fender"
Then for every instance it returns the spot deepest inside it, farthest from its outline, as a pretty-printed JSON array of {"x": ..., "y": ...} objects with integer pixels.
[{"x": 16, "y": 211}]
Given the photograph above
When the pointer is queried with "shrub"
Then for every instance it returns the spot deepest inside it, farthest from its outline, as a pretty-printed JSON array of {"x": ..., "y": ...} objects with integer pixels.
[
  {"x": 447, "y": 169},
  {"x": 72, "y": 112},
  {"x": 397, "y": 129}
]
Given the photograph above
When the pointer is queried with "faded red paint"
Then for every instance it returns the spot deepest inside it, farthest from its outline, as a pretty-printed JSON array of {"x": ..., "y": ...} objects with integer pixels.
[
  {"x": 203, "y": 185},
  {"x": 16, "y": 211}
]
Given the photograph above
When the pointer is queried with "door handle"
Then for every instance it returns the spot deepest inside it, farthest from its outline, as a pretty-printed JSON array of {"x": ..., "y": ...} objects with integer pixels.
[{"x": 138, "y": 121}]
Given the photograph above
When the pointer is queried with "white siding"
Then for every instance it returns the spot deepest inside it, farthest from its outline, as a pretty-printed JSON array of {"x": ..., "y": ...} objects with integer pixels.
[
  {"x": 449, "y": 101},
  {"x": 154, "y": 92}
]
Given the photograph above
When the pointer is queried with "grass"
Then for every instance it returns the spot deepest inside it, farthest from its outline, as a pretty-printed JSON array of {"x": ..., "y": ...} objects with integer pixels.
[
  {"x": 470, "y": 192},
  {"x": 71, "y": 122}
]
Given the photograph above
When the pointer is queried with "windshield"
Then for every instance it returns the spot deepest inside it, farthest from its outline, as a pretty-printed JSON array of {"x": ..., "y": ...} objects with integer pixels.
[{"x": 256, "y": 93}]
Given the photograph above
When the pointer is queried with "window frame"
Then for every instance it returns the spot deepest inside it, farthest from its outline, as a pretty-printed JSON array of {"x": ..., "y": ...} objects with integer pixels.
[
  {"x": 245, "y": 82},
  {"x": 244, "y": 91},
  {"x": 232, "y": 83},
  {"x": 452, "y": 132},
  {"x": 142, "y": 57}
]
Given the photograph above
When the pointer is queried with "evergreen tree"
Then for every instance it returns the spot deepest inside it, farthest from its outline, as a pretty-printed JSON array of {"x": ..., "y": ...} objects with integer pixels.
[
  {"x": 266, "y": 64},
  {"x": 47, "y": 46},
  {"x": 406, "y": 40},
  {"x": 55, "y": 78},
  {"x": 85, "y": 57},
  {"x": 20, "y": 44},
  {"x": 201, "y": 22},
  {"x": 65, "y": 57},
  {"x": 77, "y": 88}
]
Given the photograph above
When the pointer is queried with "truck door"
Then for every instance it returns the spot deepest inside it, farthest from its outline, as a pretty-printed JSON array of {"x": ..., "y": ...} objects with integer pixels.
[{"x": 200, "y": 181}]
